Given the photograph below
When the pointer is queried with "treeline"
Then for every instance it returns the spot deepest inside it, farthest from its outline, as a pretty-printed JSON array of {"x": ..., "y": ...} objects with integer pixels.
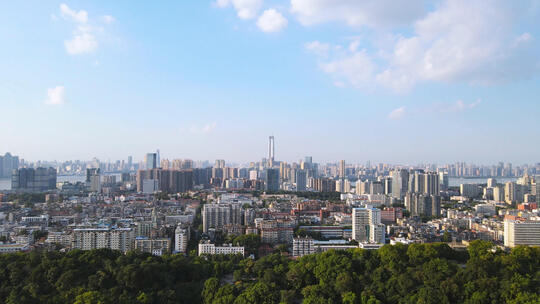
[
  {"x": 420, "y": 273},
  {"x": 107, "y": 277}
]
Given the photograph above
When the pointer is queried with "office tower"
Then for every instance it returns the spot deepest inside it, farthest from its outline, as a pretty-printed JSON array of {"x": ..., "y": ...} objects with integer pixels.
[
  {"x": 400, "y": 183},
  {"x": 342, "y": 169},
  {"x": 443, "y": 180},
  {"x": 271, "y": 149},
  {"x": 158, "y": 158},
  {"x": 96, "y": 238},
  {"x": 33, "y": 180},
  {"x": 150, "y": 161},
  {"x": 130, "y": 162},
  {"x": 525, "y": 233},
  {"x": 219, "y": 215},
  {"x": 8, "y": 163},
  {"x": 366, "y": 225},
  {"x": 301, "y": 180},
  {"x": 271, "y": 179},
  {"x": 181, "y": 238}
]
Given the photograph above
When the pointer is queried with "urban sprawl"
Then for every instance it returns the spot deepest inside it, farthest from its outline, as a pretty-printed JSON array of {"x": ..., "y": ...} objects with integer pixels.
[{"x": 180, "y": 206}]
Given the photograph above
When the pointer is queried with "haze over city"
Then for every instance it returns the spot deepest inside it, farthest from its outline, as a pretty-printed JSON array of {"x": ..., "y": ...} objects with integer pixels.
[{"x": 402, "y": 82}]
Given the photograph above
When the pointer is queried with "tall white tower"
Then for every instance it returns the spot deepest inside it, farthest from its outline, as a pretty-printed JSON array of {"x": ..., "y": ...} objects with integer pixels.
[{"x": 271, "y": 149}]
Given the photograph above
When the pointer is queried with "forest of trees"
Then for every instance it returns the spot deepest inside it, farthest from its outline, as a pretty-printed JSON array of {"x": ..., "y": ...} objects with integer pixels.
[{"x": 420, "y": 273}]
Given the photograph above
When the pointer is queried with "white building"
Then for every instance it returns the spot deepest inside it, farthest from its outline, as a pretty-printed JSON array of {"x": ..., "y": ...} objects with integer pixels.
[
  {"x": 303, "y": 246},
  {"x": 181, "y": 238},
  {"x": 211, "y": 249},
  {"x": 521, "y": 233},
  {"x": 366, "y": 225},
  {"x": 95, "y": 238}
]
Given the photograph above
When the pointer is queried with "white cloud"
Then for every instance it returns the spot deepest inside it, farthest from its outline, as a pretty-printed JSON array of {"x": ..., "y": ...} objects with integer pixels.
[
  {"x": 318, "y": 48},
  {"x": 458, "y": 106},
  {"x": 397, "y": 113},
  {"x": 271, "y": 21},
  {"x": 358, "y": 69},
  {"x": 245, "y": 9},
  {"x": 372, "y": 13},
  {"x": 67, "y": 13},
  {"x": 55, "y": 96},
  {"x": 460, "y": 41},
  {"x": 107, "y": 19},
  {"x": 205, "y": 129},
  {"x": 83, "y": 41}
]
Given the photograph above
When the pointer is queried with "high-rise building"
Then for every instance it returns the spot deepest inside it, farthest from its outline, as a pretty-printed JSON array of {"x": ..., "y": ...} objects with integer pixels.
[
  {"x": 443, "y": 181},
  {"x": 171, "y": 181},
  {"x": 271, "y": 179},
  {"x": 431, "y": 183},
  {"x": 8, "y": 163},
  {"x": 181, "y": 238},
  {"x": 366, "y": 225},
  {"x": 218, "y": 215},
  {"x": 33, "y": 180},
  {"x": 514, "y": 193},
  {"x": 271, "y": 150},
  {"x": 301, "y": 180},
  {"x": 521, "y": 233},
  {"x": 93, "y": 179},
  {"x": 491, "y": 182},
  {"x": 400, "y": 183},
  {"x": 423, "y": 204},
  {"x": 342, "y": 169},
  {"x": 151, "y": 161}
]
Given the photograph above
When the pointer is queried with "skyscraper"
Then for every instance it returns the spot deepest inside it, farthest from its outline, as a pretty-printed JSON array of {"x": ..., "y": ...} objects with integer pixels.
[
  {"x": 366, "y": 225},
  {"x": 342, "y": 169},
  {"x": 400, "y": 182},
  {"x": 151, "y": 161},
  {"x": 271, "y": 149},
  {"x": 301, "y": 180},
  {"x": 8, "y": 163},
  {"x": 271, "y": 179}
]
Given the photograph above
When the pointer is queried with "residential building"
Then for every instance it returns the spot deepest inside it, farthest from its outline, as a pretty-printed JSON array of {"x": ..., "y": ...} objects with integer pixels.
[
  {"x": 518, "y": 232},
  {"x": 205, "y": 247}
]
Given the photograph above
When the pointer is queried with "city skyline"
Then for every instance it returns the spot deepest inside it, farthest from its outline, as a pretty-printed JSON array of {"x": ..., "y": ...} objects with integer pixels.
[{"x": 212, "y": 79}]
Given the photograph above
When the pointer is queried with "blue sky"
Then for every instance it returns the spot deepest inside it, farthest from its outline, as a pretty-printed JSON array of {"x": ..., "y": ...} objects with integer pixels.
[{"x": 385, "y": 81}]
